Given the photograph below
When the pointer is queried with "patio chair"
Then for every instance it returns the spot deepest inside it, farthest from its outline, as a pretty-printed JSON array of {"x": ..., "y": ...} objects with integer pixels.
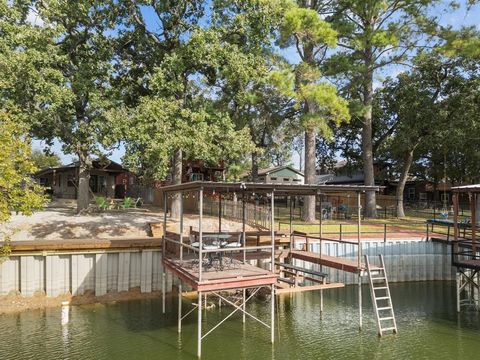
[{"x": 233, "y": 245}]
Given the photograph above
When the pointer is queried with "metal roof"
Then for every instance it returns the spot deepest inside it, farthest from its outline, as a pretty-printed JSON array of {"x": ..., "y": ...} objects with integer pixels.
[
  {"x": 279, "y": 189},
  {"x": 467, "y": 188}
]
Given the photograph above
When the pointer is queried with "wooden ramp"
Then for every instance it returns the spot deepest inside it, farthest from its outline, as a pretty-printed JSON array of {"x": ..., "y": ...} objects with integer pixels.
[{"x": 329, "y": 261}]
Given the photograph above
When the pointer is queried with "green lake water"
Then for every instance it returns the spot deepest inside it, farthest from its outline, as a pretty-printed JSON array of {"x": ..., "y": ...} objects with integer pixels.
[{"x": 429, "y": 328}]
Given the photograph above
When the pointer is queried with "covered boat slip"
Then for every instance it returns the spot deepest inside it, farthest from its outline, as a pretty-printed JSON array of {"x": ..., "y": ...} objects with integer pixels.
[{"x": 219, "y": 261}]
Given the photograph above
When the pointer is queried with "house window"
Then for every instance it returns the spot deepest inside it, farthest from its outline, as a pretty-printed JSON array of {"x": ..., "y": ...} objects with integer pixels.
[
  {"x": 273, "y": 178},
  {"x": 422, "y": 196},
  {"x": 59, "y": 180},
  {"x": 196, "y": 177},
  {"x": 411, "y": 194},
  {"x": 286, "y": 179},
  {"x": 297, "y": 180},
  {"x": 43, "y": 181},
  {"x": 71, "y": 181}
]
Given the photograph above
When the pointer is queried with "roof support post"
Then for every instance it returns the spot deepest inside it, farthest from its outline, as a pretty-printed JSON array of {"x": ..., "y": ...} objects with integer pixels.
[
  {"x": 272, "y": 230},
  {"x": 244, "y": 239},
  {"x": 473, "y": 221},
  {"x": 181, "y": 225},
  {"x": 290, "y": 222},
  {"x": 200, "y": 233},
  {"x": 359, "y": 230},
  {"x": 219, "y": 212},
  {"x": 320, "y": 228}
]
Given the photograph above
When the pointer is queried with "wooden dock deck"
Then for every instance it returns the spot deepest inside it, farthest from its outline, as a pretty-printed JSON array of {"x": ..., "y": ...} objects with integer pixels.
[
  {"x": 233, "y": 276},
  {"x": 329, "y": 261}
]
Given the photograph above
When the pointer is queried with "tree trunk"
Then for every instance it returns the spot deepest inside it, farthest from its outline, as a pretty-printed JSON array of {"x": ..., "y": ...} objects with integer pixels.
[
  {"x": 254, "y": 174},
  {"x": 367, "y": 143},
  {"x": 83, "y": 193},
  {"x": 402, "y": 181},
  {"x": 308, "y": 213},
  {"x": 177, "y": 179}
]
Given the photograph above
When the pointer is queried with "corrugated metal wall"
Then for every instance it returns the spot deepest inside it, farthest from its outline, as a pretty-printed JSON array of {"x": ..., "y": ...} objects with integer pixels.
[
  {"x": 404, "y": 260},
  {"x": 120, "y": 271},
  {"x": 77, "y": 274}
]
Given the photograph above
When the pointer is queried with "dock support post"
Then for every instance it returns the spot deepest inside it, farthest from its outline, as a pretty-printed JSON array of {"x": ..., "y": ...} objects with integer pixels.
[
  {"x": 457, "y": 282},
  {"x": 272, "y": 315},
  {"x": 243, "y": 305},
  {"x": 164, "y": 288},
  {"x": 324, "y": 281},
  {"x": 360, "y": 300},
  {"x": 180, "y": 308},
  {"x": 199, "y": 325},
  {"x": 478, "y": 291}
]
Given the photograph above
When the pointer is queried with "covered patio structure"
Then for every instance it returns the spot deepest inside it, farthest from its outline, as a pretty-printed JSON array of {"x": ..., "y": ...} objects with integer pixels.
[{"x": 218, "y": 261}]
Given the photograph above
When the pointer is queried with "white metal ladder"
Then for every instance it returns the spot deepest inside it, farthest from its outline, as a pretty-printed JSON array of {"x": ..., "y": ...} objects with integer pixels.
[{"x": 381, "y": 299}]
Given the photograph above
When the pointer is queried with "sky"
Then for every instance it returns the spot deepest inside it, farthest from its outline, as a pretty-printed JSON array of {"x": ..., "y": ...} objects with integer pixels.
[{"x": 456, "y": 19}]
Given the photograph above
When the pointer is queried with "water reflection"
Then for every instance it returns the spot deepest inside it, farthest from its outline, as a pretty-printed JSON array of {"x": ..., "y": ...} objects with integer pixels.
[{"x": 429, "y": 327}]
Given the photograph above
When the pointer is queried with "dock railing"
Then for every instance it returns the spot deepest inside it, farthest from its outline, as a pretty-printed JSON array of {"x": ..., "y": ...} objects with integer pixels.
[{"x": 351, "y": 230}]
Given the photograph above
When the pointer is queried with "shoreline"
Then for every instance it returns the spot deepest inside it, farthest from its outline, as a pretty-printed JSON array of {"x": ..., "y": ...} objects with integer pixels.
[{"x": 13, "y": 304}]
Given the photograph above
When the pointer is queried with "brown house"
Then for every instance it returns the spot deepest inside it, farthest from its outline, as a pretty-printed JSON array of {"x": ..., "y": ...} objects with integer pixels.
[{"x": 62, "y": 181}]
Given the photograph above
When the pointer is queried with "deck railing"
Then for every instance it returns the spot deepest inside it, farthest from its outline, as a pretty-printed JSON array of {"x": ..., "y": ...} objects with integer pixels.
[{"x": 256, "y": 215}]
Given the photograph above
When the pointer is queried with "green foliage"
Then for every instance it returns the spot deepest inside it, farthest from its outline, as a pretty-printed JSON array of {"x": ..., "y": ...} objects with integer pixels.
[
  {"x": 465, "y": 43},
  {"x": 43, "y": 159},
  {"x": 102, "y": 203},
  {"x": 306, "y": 26},
  {"x": 18, "y": 191},
  {"x": 128, "y": 203}
]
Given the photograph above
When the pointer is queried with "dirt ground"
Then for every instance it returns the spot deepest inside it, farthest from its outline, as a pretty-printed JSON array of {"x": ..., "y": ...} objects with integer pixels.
[{"x": 60, "y": 221}]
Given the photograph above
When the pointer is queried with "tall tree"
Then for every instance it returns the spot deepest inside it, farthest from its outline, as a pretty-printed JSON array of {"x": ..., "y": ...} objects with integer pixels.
[
  {"x": 19, "y": 43},
  {"x": 178, "y": 116},
  {"x": 78, "y": 64},
  {"x": 423, "y": 114},
  {"x": 320, "y": 105},
  {"x": 245, "y": 91},
  {"x": 373, "y": 35}
]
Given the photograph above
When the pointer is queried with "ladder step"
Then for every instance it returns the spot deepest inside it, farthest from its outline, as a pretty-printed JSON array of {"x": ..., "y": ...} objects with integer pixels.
[
  {"x": 378, "y": 278},
  {"x": 380, "y": 288},
  {"x": 389, "y": 328},
  {"x": 382, "y": 298},
  {"x": 386, "y": 318},
  {"x": 384, "y": 308}
]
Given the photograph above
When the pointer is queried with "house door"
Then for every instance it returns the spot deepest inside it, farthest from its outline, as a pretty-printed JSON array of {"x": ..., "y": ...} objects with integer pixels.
[{"x": 94, "y": 183}]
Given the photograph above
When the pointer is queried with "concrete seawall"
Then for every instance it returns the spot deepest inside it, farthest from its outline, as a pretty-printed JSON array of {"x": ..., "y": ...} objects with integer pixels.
[{"x": 110, "y": 271}]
